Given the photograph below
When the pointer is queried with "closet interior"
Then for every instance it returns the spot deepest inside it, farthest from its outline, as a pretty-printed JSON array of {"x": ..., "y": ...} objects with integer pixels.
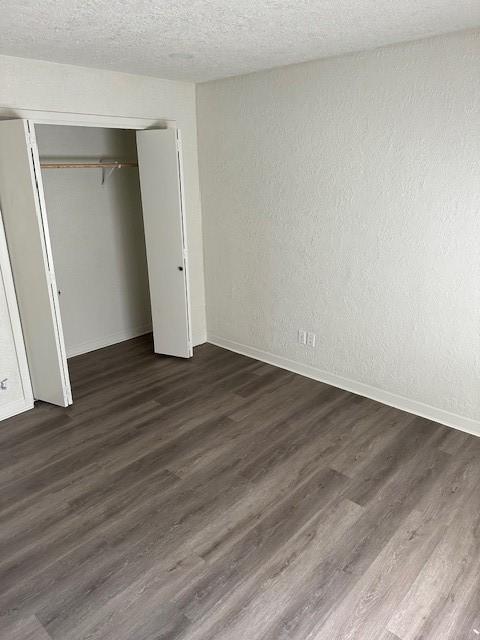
[
  {"x": 96, "y": 232},
  {"x": 95, "y": 226}
]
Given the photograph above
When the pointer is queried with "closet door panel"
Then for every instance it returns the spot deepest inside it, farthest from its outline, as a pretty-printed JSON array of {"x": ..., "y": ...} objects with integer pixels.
[
  {"x": 15, "y": 388},
  {"x": 160, "y": 169},
  {"x": 11, "y": 392},
  {"x": 26, "y": 229}
]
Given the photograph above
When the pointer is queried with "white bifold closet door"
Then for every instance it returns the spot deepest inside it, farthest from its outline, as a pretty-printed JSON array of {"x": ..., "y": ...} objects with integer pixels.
[
  {"x": 160, "y": 169},
  {"x": 26, "y": 228}
]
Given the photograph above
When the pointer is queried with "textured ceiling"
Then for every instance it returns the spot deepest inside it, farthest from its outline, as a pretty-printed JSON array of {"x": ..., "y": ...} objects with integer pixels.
[{"x": 205, "y": 39}]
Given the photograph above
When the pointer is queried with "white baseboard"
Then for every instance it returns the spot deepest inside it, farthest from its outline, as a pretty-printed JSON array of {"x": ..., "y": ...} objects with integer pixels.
[
  {"x": 14, "y": 408},
  {"x": 106, "y": 341},
  {"x": 421, "y": 409}
]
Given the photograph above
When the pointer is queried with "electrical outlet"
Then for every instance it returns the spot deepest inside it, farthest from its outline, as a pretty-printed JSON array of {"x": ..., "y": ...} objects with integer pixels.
[
  {"x": 311, "y": 339},
  {"x": 302, "y": 336}
]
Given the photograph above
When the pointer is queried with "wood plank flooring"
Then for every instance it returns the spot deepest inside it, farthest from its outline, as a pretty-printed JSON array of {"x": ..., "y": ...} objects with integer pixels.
[{"x": 223, "y": 499}]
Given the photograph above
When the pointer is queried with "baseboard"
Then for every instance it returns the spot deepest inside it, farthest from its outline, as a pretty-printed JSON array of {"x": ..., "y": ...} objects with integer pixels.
[
  {"x": 106, "y": 341},
  {"x": 421, "y": 409},
  {"x": 13, "y": 408}
]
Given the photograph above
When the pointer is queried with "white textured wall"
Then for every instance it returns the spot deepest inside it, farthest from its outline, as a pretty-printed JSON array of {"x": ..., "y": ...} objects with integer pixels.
[
  {"x": 342, "y": 196},
  {"x": 97, "y": 237},
  {"x": 34, "y": 84}
]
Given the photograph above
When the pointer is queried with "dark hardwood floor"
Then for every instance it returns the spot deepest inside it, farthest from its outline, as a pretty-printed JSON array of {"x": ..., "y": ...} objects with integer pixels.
[{"x": 221, "y": 498}]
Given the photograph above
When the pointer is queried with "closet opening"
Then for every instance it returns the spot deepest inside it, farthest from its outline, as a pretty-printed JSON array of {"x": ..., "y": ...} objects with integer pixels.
[
  {"x": 92, "y": 195},
  {"x": 96, "y": 232},
  {"x": 95, "y": 226}
]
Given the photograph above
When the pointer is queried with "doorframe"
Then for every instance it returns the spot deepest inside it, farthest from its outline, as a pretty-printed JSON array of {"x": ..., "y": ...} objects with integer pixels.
[{"x": 73, "y": 119}]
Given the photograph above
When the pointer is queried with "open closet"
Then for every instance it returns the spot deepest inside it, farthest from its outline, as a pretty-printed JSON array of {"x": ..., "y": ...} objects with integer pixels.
[{"x": 95, "y": 226}]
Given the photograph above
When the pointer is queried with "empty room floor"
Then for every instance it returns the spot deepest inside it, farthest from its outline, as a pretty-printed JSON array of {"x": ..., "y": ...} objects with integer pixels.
[{"x": 222, "y": 498}]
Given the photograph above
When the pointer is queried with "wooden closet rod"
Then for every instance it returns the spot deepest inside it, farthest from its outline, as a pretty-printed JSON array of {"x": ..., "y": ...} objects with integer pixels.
[{"x": 87, "y": 165}]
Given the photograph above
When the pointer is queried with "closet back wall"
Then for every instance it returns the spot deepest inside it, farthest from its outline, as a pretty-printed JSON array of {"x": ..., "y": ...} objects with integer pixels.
[{"x": 97, "y": 237}]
